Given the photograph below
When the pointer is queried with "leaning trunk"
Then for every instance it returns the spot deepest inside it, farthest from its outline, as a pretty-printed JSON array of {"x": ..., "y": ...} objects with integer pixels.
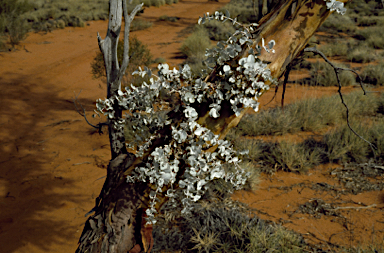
[{"x": 116, "y": 225}]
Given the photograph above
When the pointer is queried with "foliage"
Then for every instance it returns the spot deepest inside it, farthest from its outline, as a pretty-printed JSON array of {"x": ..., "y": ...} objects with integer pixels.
[
  {"x": 241, "y": 85},
  {"x": 322, "y": 74},
  {"x": 166, "y": 18},
  {"x": 337, "y": 24},
  {"x": 139, "y": 55},
  {"x": 338, "y": 48},
  {"x": 139, "y": 24},
  {"x": 49, "y": 15},
  {"x": 365, "y": 8},
  {"x": 194, "y": 49},
  {"x": 361, "y": 54},
  {"x": 373, "y": 74},
  {"x": 194, "y": 157},
  {"x": 219, "y": 31},
  {"x": 308, "y": 115},
  {"x": 372, "y": 35},
  {"x": 12, "y": 24}
]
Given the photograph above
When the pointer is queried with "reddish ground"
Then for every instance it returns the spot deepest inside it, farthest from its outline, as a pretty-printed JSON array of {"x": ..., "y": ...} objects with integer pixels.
[{"x": 52, "y": 163}]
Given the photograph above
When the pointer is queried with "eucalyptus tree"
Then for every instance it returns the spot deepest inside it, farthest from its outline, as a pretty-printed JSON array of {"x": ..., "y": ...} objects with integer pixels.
[{"x": 176, "y": 156}]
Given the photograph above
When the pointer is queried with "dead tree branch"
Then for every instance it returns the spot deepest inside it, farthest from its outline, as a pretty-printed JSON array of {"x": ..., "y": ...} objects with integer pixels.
[
  {"x": 337, "y": 70},
  {"x": 98, "y": 126}
]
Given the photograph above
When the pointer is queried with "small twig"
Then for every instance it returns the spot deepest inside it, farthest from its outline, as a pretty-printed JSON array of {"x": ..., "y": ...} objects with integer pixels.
[
  {"x": 322, "y": 240},
  {"x": 337, "y": 69},
  {"x": 75, "y": 102},
  {"x": 286, "y": 75},
  {"x": 354, "y": 207},
  {"x": 75, "y": 164},
  {"x": 274, "y": 95},
  {"x": 322, "y": 236}
]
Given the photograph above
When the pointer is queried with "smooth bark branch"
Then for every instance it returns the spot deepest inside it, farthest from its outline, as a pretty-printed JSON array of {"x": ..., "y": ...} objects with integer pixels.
[
  {"x": 114, "y": 72},
  {"x": 116, "y": 225}
]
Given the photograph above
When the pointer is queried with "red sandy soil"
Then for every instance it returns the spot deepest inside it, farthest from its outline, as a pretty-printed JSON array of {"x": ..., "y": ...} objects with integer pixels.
[{"x": 52, "y": 163}]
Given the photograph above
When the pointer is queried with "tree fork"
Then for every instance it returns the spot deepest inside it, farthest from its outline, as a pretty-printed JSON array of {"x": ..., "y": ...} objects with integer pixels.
[{"x": 116, "y": 224}]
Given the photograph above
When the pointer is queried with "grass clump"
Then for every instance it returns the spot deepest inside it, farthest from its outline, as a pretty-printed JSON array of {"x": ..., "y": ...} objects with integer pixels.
[
  {"x": 194, "y": 49},
  {"x": 365, "y": 8},
  {"x": 310, "y": 115},
  {"x": 373, "y": 36},
  {"x": 337, "y": 24},
  {"x": 369, "y": 21},
  {"x": 341, "y": 144},
  {"x": 373, "y": 74},
  {"x": 339, "y": 48},
  {"x": 139, "y": 24},
  {"x": 338, "y": 145},
  {"x": 305, "y": 115},
  {"x": 361, "y": 55},
  {"x": 322, "y": 74},
  {"x": 219, "y": 31},
  {"x": 213, "y": 227},
  {"x": 194, "y": 46},
  {"x": 167, "y": 18}
]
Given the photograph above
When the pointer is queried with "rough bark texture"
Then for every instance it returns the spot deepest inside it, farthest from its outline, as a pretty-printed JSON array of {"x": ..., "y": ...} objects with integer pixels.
[{"x": 116, "y": 225}]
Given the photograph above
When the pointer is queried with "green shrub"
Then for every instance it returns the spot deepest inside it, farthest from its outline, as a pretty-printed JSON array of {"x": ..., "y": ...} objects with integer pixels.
[
  {"x": 338, "y": 23},
  {"x": 17, "y": 30},
  {"x": 60, "y": 24},
  {"x": 218, "y": 30},
  {"x": 159, "y": 60},
  {"x": 302, "y": 64},
  {"x": 167, "y": 18},
  {"x": 194, "y": 49},
  {"x": 336, "y": 48},
  {"x": 373, "y": 74},
  {"x": 246, "y": 11},
  {"x": 361, "y": 55},
  {"x": 13, "y": 24},
  {"x": 305, "y": 115},
  {"x": 369, "y": 20},
  {"x": 372, "y": 35},
  {"x": 308, "y": 115},
  {"x": 196, "y": 43},
  {"x": 377, "y": 138},
  {"x": 342, "y": 145},
  {"x": 365, "y": 8},
  {"x": 322, "y": 74},
  {"x": 294, "y": 157},
  {"x": 138, "y": 24}
]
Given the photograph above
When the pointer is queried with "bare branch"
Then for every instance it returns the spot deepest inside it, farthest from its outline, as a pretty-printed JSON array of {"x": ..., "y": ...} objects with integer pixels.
[
  {"x": 128, "y": 20},
  {"x": 337, "y": 69},
  {"x": 75, "y": 102}
]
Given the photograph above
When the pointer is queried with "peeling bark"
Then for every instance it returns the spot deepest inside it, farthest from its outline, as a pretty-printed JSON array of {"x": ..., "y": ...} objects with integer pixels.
[{"x": 116, "y": 225}]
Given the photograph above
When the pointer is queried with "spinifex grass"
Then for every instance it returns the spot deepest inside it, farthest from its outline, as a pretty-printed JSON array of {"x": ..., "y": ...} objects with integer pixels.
[{"x": 339, "y": 144}]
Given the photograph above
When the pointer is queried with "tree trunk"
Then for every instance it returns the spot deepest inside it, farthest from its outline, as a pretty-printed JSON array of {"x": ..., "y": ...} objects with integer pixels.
[{"x": 116, "y": 226}]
